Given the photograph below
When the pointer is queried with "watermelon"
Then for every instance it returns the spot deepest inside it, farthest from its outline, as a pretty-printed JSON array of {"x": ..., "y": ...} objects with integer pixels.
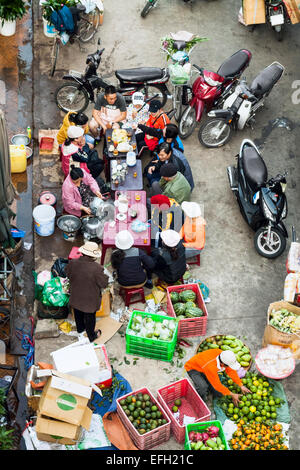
[
  {"x": 179, "y": 308},
  {"x": 174, "y": 296},
  {"x": 193, "y": 312},
  {"x": 189, "y": 304},
  {"x": 187, "y": 295}
]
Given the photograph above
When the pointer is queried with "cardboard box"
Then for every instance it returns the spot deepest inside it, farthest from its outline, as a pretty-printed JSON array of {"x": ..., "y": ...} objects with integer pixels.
[
  {"x": 293, "y": 10},
  {"x": 274, "y": 336},
  {"x": 52, "y": 430},
  {"x": 254, "y": 11},
  {"x": 64, "y": 397}
]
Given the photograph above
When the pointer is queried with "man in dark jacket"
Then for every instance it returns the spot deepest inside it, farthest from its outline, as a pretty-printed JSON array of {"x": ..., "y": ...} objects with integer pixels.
[
  {"x": 87, "y": 279},
  {"x": 132, "y": 264},
  {"x": 163, "y": 157},
  {"x": 170, "y": 261}
]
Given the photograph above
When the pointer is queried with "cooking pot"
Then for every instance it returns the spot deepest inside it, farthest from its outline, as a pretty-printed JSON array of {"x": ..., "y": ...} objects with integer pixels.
[
  {"x": 91, "y": 226},
  {"x": 96, "y": 204}
]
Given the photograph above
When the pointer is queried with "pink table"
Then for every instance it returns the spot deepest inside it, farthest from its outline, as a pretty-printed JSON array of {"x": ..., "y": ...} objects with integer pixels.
[{"x": 141, "y": 239}]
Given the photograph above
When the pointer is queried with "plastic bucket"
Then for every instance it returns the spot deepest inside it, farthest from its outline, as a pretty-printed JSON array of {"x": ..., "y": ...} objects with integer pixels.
[
  {"x": 8, "y": 28},
  {"x": 49, "y": 29},
  {"x": 44, "y": 219}
]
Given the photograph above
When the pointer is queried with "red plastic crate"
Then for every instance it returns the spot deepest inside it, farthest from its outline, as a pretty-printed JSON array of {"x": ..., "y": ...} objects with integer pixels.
[
  {"x": 191, "y": 405},
  {"x": 189, "y": 326},
  {"x": 151, "y": 438}
]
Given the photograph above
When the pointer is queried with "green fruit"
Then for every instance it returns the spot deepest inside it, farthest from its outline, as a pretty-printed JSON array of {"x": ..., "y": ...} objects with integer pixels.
[
  {"x": 128, "y": 400},
  {"x": 142, "y": 431},
  {"x": 127, "y": 412},
  {"x": 142, "y": 413},
  {"x": 154, "y": 408},
  {"x": 123, "y": 402},
  {"x": 177, "y": 402},
  {"x": 174, "y": 409},
  {"x": 146, "y": 397},
  {"x": 138, "y": 403}
]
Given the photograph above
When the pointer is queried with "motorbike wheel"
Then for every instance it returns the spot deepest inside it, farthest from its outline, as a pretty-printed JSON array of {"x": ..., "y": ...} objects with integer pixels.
[
  {"x": 153, "y": 90},
  {"x": 177, "y": 102},
  {"x": 277, "y": 244},
  {"x": 69, "y": 97},
  {"x": 187, "y": 123},
  {"x": 147, "y": 8},
  {"x": 206, "y": 133},
  {"x": 89, "y": 25}
]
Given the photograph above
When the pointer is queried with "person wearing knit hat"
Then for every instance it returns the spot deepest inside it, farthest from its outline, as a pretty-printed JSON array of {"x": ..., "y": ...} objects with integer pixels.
[{"x": 172, "y": 184}]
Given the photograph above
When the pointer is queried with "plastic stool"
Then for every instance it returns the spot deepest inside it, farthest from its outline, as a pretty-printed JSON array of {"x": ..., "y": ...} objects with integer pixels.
[
  {"x": 195, "y": 262},
  {"x": 128, "y": 293},
  {"x": 74, "y": 253}
]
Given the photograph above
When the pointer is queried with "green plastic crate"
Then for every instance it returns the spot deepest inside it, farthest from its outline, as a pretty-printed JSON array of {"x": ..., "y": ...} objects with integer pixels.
[
  {"x": 147, "y": 347},
  {"x": 201, "y": 427}
]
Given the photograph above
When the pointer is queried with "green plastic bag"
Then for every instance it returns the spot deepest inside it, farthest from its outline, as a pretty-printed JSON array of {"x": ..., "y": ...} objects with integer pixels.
[
  {"x": 53, "y": 293},
  {"x": 178, "y": 75},
  {"x": 38, "y": 290}
]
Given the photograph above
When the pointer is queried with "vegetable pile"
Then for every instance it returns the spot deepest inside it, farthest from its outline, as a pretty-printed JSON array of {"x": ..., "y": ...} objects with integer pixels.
[
  {"x": 146, "y": 327},
  {"x": 259, "y": 405},
  {"x": 207, "y": 440},
  {"x": 184, "y": 304},
  {"x": 228, "y": 342},
  {"x": 142, "y": 412},
  {"x": 257, "y": 436},
  {"x": 285, "y": 321}
]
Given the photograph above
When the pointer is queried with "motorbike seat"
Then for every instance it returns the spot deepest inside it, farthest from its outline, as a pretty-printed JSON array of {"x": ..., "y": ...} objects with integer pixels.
[
  {"x": 234, "y": 64},
  {"x": 254, "y": 166},
  {"x": 140, "y": 74},
  {"x": 266, "y": 79}
]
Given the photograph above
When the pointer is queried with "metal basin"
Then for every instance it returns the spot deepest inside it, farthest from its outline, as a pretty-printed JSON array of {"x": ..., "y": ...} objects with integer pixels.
[
  {"x": 91, "y": 225},
  {"x": 69, "y": 223},
  {"x": 20, "y": 139}
]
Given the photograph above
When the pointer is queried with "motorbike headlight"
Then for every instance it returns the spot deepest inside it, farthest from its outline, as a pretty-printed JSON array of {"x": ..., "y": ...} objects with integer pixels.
[
  {"x": 268, "y": 214},
  {"x": 284, "y": 211}
]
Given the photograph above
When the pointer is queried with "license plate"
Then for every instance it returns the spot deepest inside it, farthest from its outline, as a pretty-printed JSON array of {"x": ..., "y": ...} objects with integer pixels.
[{"x": 277, "y": 19}]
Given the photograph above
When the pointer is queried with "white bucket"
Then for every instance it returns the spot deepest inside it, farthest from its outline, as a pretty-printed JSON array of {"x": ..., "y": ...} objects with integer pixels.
[
  {"x": 44, "y": 219},
  {"x": 8, "y": 28}
]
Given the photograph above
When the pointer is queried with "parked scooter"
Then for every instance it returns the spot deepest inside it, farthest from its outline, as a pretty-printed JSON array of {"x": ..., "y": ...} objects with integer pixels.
[
  {"x": 210, "y": 89},
  {"x": 153, "y": 3},
  {"x": 239, "y": 108},
  {"x": 277, "y": 16},
  {"x": 262, "y": 202},
  {"x": 80, "y": 89}
]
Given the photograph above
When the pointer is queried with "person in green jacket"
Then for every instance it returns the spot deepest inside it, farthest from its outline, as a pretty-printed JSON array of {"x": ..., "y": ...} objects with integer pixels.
[{"x": 172, "y": 184}]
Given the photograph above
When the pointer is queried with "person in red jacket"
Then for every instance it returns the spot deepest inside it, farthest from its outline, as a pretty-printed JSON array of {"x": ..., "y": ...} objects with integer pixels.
[{"x": 204, "y": 369}]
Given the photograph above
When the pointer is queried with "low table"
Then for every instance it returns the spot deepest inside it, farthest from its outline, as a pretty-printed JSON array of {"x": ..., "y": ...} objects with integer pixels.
[
  {"x": 110, "y": 155},
  {"x": 131, "y": 182},
  {"x": 141, "y": 239}
]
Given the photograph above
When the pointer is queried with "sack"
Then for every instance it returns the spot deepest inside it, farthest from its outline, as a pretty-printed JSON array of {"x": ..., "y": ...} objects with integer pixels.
[
  {"x": 178, "y": 74},
  {"x": 53, "y": 293},
  {"x": 58, "y": 268},
  {"x": 62, "y": 20},
  {"x": 56, "y": 313}
]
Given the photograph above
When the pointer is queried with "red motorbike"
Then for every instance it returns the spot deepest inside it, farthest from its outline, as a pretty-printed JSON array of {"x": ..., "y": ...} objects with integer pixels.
[{"x": 210, "y": 89}]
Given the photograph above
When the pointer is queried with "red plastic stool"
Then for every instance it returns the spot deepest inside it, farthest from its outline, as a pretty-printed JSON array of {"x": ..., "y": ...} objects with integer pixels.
[
  {"x": 128, "y": 293},
  {"x": 74, "y": 253},
  {"x": 195, "y": 262}
]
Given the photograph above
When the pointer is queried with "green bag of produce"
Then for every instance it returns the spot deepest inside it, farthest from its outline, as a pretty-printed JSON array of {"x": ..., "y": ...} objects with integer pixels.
[
  {"x": 53, "y": 293},
  {"x": 178, "y": 75}
]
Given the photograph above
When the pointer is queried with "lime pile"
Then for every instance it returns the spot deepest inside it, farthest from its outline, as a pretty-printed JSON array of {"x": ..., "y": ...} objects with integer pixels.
[
  {"x": 228, "y": 343},
  {"x": 142, "y": 412},
  {"x": 260, "y": 405}
]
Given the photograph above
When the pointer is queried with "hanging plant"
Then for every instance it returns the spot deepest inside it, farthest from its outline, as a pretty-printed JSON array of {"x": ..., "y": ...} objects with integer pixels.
[{"x": 12, "y": 10}]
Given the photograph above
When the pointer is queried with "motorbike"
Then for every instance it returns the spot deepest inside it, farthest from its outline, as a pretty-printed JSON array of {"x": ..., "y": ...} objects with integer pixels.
[
  {"x": 239, "y": 108},
  {"x": 277, "y": 16},
  {"x": 262, "y": 202},
  {"x": 153, "y": 3},
  {"x": 210, "y": 89},
  {"x": 80, "y": 88}
]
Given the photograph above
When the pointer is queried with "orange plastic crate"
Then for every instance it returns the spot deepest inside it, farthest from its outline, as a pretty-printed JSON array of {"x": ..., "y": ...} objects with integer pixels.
[
  {"x": 191, "y": 405},
  {"x": 189, "y": 326},
  {"x": 151, "y": 438}
]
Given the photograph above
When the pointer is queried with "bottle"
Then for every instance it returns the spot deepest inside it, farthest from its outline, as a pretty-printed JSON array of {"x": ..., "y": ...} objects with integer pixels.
[{"x": 29, "y": 132}]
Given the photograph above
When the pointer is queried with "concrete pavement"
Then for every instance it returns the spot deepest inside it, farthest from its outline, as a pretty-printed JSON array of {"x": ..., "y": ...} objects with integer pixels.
[{"x": 242, "y": 283}]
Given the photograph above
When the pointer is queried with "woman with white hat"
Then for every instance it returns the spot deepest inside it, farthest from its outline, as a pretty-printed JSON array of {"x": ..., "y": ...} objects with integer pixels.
[
  {"x": 170, "y": 260},
  {"x": 133, "y": 266},
  {"x": 192, "y": 231},
  {"x": 75, "y": 151},
  {"x": 87, "y": 279}
]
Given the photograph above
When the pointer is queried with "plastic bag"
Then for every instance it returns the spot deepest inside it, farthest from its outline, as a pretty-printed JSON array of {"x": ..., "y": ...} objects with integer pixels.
[
  {"x": 38, "y": 289},
  {"x": 178, "y": 74},
  {"x": 53, "y": 294},
  {"x": 58, "y": 268},
  {"x": 43, "y": 277}
]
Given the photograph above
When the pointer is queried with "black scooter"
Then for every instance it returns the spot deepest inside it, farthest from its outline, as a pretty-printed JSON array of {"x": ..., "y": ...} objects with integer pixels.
[
  {"x": 262, "y": 202},
  {"x": 79, "y": 90}
]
